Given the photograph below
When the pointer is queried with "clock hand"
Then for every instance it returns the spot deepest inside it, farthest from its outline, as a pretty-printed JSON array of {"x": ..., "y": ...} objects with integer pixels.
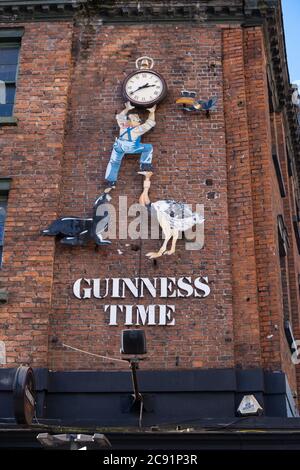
[{"x": 140, "y": 88}]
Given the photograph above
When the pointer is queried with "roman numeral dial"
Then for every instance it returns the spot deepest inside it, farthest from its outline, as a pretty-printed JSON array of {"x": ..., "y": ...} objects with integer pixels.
[{"x": 144, "y": 88}]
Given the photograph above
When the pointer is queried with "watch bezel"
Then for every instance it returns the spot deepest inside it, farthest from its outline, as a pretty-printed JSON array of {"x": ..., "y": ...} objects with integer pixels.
[{"x": 149, "y": 103}]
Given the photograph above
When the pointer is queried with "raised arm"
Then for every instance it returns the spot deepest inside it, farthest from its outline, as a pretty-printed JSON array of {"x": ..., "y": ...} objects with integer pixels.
[
  {"x": 152, "y": 113},
  {"x": 122, "y": 116},
  {"x": 143, "y": 128},
  {"x": 128, "y": 107}
]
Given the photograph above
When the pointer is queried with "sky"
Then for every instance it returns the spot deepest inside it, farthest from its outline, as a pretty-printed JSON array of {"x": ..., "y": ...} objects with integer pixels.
[{"x": 291, "y": 14}]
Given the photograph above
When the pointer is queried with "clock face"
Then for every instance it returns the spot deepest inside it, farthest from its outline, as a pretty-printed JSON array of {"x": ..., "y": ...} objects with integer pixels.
[{"x": 144, "y": 88}]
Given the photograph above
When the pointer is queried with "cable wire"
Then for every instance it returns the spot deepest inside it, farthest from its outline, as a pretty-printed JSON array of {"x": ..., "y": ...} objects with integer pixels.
[{"x": 95, "y": 355}]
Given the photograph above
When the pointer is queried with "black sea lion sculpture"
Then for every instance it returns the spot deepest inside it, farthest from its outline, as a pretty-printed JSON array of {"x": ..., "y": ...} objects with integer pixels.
[{"x": 78, "y": 231}]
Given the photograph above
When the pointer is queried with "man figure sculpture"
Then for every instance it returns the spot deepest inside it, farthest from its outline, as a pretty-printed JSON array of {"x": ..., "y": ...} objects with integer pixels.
[{"x": 129, "y": 141}]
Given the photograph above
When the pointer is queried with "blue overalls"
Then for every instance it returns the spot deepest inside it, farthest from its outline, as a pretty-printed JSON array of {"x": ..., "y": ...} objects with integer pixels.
[{"x": 121, "y": 147}]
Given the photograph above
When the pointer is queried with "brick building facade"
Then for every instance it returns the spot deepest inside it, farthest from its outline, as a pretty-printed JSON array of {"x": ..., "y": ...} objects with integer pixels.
[{"x": 241, "y": 162}]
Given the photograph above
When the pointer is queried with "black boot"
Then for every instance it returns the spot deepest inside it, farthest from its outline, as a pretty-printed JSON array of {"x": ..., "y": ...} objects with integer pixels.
[{"x": 146, "y": 167}]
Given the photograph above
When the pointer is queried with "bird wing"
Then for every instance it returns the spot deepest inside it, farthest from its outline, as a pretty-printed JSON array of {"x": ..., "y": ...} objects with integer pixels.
[{"x": 206, "y": 105}]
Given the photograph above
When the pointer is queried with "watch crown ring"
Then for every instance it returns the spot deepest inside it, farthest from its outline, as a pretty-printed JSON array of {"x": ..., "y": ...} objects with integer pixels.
[{"x": 144, "y": 62}]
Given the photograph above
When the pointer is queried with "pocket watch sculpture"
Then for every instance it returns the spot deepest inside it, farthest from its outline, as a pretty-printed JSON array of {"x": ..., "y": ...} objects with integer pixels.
[{"x": 144, "y": 87}]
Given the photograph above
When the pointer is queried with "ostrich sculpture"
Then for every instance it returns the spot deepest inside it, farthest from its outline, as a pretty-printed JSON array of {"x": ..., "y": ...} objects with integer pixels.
[{"x": 173, "y": 217}]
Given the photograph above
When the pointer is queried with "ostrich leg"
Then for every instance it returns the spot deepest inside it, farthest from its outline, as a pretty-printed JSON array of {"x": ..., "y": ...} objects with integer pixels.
[
  {"x": 144, "y": 197},
  {"x": 173, "y": 246},
  {"x": 168, "y": 234},
  {"x": 160, "y": 252}
]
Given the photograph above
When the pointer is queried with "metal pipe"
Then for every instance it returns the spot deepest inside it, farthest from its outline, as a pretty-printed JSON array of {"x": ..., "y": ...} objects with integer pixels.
[{"x": 134, "y": 367}]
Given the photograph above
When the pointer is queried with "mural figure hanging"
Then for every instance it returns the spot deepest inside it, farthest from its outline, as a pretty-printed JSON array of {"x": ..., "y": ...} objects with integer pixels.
[{"x": 129, "y": 142}]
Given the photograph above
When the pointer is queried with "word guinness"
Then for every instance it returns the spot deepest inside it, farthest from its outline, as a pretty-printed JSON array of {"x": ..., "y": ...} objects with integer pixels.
[{"x": 163, "y": 287}]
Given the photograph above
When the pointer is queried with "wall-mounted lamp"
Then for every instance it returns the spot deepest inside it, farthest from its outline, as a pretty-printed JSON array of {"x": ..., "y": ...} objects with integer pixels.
[{"x": 133, "y": 342}]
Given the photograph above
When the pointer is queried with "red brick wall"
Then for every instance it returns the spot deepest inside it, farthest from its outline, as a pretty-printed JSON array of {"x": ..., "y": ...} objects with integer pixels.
[
  {"x": 254, "y": 203},
  {"x": 263, "y": 183},
  {"x": 267, "y": 205},
  {"x": 240, "y": 201},
  {"x": 31, "y": 154}
]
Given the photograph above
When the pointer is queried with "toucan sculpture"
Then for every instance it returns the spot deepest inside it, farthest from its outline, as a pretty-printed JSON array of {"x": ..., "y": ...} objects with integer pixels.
[{"x": 190, "y": 103}]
